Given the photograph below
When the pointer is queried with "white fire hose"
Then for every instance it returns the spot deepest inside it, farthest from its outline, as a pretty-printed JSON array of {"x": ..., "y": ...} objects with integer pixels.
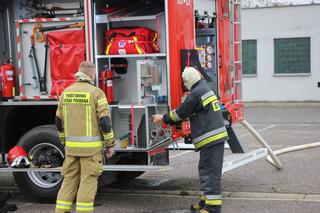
[
  {"x": 259, "y": 138},
  {"x": 292, "y": 149}
]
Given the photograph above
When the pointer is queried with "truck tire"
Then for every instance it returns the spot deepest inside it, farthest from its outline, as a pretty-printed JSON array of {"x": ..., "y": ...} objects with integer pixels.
[{"x": 41, "y": 186}]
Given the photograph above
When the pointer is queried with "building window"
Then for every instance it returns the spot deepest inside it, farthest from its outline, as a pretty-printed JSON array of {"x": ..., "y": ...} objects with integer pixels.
[
  {"x": 249, "y": 57},
  {"x": 291, "y": 55}
]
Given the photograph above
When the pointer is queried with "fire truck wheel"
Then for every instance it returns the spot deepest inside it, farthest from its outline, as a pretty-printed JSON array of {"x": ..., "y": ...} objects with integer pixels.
[{"x": 44, "y": 147}]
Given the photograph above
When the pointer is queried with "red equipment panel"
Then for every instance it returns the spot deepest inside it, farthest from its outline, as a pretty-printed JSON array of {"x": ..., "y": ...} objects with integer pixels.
[
  {"x": 224, "y": 51},
  {"x": 181, "y": 36},
  {"x": 226, "y": 81}
]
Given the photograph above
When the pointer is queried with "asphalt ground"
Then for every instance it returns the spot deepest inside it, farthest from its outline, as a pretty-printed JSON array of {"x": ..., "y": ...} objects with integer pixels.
[{"x": 255, "y": 188}]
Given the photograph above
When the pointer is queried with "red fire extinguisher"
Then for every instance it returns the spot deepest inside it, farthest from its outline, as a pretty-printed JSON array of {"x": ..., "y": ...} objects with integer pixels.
[
  {"x": 106, "y": 83},
  {"x": 102, "y": 81},
  {"x": 8, "y": 81},
  {"x": 109, "y": 86}
]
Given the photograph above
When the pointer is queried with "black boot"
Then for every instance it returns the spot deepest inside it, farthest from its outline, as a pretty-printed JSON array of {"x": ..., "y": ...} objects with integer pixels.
[
  {"x": 4, "y": 197},
  {"x": 4, "y": 208},
  {"x": 197, "y": 207},
  {"x": 8, "y": 208},
  {"x": 211, "y": 209},
  {"x": 217, "y": 209}
]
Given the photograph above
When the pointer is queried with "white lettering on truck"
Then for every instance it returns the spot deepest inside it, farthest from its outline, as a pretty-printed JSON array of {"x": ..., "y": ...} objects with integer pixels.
[{"x": 184, "y": 2}]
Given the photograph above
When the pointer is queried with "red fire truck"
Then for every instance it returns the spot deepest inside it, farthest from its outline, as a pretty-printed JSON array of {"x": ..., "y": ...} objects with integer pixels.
[{"x": 139, "y": 82}]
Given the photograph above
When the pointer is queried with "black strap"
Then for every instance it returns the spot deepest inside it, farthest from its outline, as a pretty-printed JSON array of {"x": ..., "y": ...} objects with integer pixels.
[
  {"x": 33, "y": 49},
  {"x": 114, "y": 34},
  {"x": 43, "y": 79}
]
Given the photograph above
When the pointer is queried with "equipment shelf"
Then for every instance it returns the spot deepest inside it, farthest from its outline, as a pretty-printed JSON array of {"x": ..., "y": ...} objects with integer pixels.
[
  {"x": 128, "y": 106},
  {"x": 105, "y": 168},
  {"x": 133, "y": 12},
  {"x": 103, "y": 19},
  {"x": 152, "y": 55},
  {"x": 162, "y": 144},
  {"x": 28, "y": 103}
]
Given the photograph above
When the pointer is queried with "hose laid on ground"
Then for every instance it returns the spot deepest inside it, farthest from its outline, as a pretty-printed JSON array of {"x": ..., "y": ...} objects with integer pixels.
[
  {"x": 292, "y": 149},
  {"x": 259, "y": 138}
]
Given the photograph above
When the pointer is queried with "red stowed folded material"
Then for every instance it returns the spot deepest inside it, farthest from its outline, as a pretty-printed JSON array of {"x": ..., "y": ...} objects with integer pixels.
[{"x": 67, "y": 50}]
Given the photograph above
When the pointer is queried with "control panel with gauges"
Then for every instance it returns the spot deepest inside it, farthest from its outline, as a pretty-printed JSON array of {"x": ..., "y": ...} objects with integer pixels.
[{"x": 206, "y": 44}]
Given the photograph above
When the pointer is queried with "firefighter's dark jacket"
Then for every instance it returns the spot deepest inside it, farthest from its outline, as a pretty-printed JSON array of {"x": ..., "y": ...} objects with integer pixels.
[{"x": 203, "y": 109}]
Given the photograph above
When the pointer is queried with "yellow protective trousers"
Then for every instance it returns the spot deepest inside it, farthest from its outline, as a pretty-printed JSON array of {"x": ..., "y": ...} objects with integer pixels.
[{"x": 80, "y": 183}]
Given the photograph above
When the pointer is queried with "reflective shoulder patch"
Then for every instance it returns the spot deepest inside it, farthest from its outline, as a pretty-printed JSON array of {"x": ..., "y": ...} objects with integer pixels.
[
  {"x": 76, "y": 98},
  {"x": 207, "y": 95}
]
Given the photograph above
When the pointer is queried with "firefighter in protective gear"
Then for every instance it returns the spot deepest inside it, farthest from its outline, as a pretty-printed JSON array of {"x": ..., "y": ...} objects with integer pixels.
[
  {"x": 208, "y": 134},
  {"x": 84, "y": 127}
]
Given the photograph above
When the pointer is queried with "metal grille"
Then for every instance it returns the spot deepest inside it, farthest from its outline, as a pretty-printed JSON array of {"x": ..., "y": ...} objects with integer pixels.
[
  {"x": 249, "y": 57},
  {"x": 292, "y": 55}
]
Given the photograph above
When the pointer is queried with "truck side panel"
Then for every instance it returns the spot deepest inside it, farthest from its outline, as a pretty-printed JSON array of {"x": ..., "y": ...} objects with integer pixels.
[
  {"x": 229, "y": 57},
  {"x": 17, "y": 120},
  {"x": 181, "y": 36}
]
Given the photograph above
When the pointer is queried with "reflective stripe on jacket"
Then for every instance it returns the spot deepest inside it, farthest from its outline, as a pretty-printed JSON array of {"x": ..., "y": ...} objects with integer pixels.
[
  {"x": 80, "y": 107},
  {"x": 203, "y": 109}
]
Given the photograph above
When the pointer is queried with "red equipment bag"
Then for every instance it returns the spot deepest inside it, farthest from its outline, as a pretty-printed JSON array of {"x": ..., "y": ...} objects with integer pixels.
[
  {"x": 131, "y": 40},
  {"x": 67, "y": 51}
]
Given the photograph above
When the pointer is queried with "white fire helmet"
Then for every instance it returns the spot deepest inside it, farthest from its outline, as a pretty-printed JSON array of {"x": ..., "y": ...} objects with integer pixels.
[{"x": 20, "y": 162}]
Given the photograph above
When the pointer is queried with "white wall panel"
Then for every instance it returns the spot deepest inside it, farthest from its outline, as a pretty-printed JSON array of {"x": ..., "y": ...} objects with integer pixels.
[{"x": 265, "y": 24}]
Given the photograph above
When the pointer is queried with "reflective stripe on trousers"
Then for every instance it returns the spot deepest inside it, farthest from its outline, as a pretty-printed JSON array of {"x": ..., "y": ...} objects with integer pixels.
[
  {"x": 213, "y": 200},
  {"x": 66, "y": 205},
  {"x": 81, "y": 206}
]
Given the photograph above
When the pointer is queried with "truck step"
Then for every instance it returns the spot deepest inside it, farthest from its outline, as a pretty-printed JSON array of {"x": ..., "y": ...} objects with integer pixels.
[
  {"x": 231, "y": 162},
  {"x": 183, "y": 146},
  {"x": 234, "y": 161},
  {"x": 128, "y": 168}
]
